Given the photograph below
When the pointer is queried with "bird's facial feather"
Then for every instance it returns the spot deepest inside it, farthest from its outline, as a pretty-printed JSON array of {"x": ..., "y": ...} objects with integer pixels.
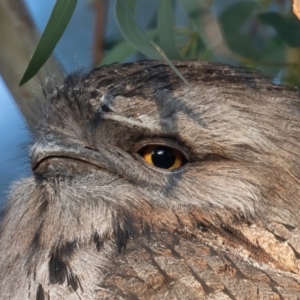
[
  {"x": 93, "y": 192},
  {"x": 223, "y": 124}
]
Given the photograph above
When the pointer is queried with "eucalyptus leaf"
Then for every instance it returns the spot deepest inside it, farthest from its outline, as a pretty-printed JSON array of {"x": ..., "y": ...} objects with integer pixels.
[
  {"x": 58, "y": 22},
  {"x": 192, "y": 7},
  {"x": 118, "y": 53},
  {"x": 274, "y": 52},
  {"x": 242, "y": 44},
  {"x": 235, "y": 15},
  {"x": 232, "y": 20},
  {"x": 288, "y": 28},
  {"x": 136, "y": 36},
  {"x": 130, "y": 29},
  {"x": 197, "y": 49},
  {"x": 122, "y": 49},
  {"x": 166, "y": 33}
]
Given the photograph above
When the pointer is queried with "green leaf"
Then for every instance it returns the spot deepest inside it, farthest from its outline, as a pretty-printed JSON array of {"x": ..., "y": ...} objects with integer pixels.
[
  {"x": 193, "y": 8},
  {"x": 136, "y": 36},
  {"x": 288, "y": 28},
  {"x": 197, "y": 49},
  {"x": 165, "y": 26},
  {"x": 121, "y": 49},
  {"x": 235, "y": 15},
  {"x": 242, "y": 44},
  {"x": 59, "y": 19},
  {"x": 273, "y": 53},
  {"x": 130, "y": 29},
  {"x": 232, "y": 20},
  {"x": 118, "y": 53}
]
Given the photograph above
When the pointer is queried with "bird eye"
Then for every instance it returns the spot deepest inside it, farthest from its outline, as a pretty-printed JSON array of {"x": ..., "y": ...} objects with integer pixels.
[{"x": 163, "y": 157}]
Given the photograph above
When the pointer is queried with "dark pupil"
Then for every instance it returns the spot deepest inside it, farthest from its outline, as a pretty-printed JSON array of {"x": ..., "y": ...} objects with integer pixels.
[{"x": 163, "y": 157}]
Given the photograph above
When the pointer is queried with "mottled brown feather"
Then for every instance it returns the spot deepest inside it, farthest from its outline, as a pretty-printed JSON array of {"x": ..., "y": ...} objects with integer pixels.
[{"x": 95, "y": 221}]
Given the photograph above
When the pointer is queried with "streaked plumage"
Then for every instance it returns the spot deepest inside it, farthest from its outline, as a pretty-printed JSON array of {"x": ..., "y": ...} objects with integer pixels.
[{"x": 95, "y": 221}]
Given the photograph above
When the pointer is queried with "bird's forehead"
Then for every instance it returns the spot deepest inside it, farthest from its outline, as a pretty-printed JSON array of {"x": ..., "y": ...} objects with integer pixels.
[
  {"x": 140, "y": 104},
  {"x": 150, "y": 112},
  {"x": 130, "y": 107},
  {"x": 151, "y": 94}
]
